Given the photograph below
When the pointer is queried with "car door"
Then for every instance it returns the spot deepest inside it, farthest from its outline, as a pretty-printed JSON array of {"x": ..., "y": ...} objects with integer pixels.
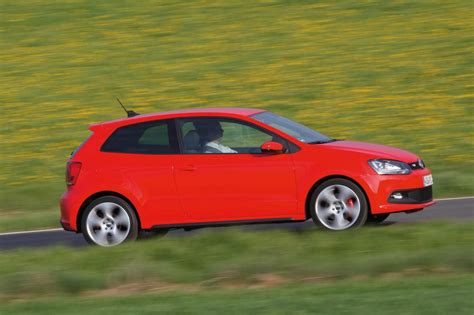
[{"x": 242, "y": 184}]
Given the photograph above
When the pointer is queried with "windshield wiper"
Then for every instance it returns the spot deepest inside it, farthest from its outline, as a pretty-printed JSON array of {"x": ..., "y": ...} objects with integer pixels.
[{"x": 321, "y": 142}]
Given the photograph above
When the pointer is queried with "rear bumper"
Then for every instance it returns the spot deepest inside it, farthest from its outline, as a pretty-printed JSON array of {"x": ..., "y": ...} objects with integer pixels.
[
  {"x": 66, "y": 226},
  {"x": 70, "y": 204}
]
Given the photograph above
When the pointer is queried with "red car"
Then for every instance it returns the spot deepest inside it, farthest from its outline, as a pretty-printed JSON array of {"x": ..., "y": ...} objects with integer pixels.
[{"x": 223, "y": 166}]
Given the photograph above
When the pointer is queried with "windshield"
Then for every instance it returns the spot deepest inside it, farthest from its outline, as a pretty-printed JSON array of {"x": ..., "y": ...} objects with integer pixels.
[{"x": 294, "y": 129}]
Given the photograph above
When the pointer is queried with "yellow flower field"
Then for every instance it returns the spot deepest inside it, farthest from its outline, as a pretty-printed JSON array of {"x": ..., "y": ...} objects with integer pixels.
[{"x": 398, "y": 73}]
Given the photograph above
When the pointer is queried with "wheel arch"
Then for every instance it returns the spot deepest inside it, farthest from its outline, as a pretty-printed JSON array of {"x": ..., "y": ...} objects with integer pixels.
[
  {"x": 93, "y": 197},
  {"x": 324, "y": 179}
]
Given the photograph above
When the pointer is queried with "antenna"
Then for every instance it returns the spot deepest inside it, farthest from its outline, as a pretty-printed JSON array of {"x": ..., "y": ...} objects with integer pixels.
[{"x": 130, "y": 113}]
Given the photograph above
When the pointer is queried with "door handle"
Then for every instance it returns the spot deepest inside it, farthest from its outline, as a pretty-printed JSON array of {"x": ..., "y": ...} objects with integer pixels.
[{"x": 188, "y": 168}]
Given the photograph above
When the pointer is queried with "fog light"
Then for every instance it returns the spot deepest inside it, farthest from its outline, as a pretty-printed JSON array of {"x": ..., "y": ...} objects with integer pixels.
[{"x": 397, "y": 196}]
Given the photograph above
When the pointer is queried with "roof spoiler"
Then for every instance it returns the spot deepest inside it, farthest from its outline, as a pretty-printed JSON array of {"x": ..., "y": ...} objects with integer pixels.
[{"x": 94, "y": 127}]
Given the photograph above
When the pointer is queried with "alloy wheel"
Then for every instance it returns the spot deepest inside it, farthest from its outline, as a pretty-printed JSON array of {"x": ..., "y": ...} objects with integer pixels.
[
  {"x": 337, "y": 207},
  {"x": 108, "y": 224}
]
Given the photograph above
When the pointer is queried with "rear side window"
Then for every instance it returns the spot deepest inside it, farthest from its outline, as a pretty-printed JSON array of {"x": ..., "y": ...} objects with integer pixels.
[{"x": 156, "y": 137}]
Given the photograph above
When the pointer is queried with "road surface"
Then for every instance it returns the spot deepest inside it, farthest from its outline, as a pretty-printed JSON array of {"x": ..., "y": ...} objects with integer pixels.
[{"x": 458, "y": 210}]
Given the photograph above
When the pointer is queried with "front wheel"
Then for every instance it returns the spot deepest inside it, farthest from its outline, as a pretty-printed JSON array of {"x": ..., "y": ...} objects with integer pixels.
[
  {"x": 109, "y": 221},
  {"x": 339, "y": 204}
]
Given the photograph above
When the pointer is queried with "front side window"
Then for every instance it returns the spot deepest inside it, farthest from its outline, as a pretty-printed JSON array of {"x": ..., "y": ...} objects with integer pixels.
[
  {"x": 223, "y": 135},
  {"x": 155, "y": 137}
]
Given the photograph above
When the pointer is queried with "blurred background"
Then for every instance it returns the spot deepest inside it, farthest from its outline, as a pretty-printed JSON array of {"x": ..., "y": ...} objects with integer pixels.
[
  {"x": 398, "y": 73},
  {"x": 392, "y": 72}
]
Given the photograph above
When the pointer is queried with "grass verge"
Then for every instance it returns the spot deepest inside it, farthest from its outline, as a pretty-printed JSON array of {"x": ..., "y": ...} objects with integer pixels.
[
  {"x": 419, "y": 295},
  {"x": 237, "y": 259}
]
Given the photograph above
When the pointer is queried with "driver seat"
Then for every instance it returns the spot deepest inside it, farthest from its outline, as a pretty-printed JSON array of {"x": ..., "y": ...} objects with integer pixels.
[{"x": 191, "y": 142}]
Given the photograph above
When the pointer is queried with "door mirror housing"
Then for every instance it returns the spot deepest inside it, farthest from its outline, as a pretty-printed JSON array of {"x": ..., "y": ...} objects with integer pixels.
[{"x": 272, "y": 147}]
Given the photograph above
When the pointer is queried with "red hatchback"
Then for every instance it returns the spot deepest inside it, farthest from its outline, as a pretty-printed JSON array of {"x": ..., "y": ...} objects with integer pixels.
[{"x": 194, "y": 168}]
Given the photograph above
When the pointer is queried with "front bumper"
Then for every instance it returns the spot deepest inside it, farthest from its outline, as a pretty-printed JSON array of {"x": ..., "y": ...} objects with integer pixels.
[
  {"x": 412, "y": 196},
  {"x": 415, "y": 195}
]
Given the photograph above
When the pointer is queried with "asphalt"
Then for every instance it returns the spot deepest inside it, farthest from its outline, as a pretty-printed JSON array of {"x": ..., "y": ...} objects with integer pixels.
[{"x": 457, "y": 210}]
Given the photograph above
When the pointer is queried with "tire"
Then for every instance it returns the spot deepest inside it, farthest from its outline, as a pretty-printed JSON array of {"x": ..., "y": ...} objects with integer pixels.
[
  {"x": 109, "y": 221},
  {"x": 338, "y": 204},
  {"x": 377, "y": 218}
]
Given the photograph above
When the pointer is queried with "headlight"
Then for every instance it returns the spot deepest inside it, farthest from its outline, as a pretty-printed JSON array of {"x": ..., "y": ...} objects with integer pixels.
[{"x": 389, "y": 167}]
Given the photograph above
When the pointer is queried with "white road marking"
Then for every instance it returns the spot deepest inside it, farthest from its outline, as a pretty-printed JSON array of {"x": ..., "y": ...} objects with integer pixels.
[
  {"x": 60, "y": 229},
  {"x": 31, "y": 232},
  {"x": 457, "y": 198}
]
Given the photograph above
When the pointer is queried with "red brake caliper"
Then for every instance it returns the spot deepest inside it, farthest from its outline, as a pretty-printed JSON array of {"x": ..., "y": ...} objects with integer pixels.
[{"x": 350, "y": 203}]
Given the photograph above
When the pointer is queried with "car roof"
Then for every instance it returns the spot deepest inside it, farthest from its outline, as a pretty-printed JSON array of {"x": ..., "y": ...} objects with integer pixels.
[{"x": 224, "y": 111}]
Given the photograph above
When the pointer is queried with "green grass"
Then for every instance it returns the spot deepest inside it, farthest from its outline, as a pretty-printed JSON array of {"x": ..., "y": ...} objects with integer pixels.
[
  {"x": 397, "y": 73},
  {"x": 236, "y": 258},
  {"x": 427, "y": 295},
  {"x": 419, "y": 269}
]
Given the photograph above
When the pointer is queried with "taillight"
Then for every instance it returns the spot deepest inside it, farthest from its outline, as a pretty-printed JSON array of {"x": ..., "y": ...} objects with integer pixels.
[{"x": 72, "y": 172}]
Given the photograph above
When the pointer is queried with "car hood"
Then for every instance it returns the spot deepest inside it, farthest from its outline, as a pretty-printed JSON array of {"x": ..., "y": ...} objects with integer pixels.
[{"x": 373, "y": 150}]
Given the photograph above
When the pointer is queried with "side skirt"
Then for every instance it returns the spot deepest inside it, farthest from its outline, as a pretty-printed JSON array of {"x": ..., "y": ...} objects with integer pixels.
[{"x": 193, "y": 226}]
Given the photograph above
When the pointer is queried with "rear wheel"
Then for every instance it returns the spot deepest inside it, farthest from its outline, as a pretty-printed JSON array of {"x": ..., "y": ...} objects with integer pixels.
[
  {"x": 338, "y": 204},
  {"x": 109, "y": 221}
]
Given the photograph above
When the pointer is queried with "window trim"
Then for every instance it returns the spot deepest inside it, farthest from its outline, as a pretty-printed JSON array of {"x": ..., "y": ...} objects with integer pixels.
[
  {"x": 172, "y": 137},
  {"x": 290, "y": 147}
]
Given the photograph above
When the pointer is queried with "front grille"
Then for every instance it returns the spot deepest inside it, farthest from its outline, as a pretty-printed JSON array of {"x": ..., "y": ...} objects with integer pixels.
[
  {"x": 420, "y": 195},
  {"x": 418, "y": 165}
]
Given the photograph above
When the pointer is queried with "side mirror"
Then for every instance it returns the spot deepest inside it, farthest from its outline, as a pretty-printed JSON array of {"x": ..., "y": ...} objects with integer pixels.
[{"x": 272, "y": 147}]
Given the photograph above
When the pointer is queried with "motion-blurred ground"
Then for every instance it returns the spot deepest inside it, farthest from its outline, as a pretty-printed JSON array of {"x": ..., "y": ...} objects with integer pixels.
[
  {"x": 417, "y": 269},
  {"x": 397, "y": 73}
]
